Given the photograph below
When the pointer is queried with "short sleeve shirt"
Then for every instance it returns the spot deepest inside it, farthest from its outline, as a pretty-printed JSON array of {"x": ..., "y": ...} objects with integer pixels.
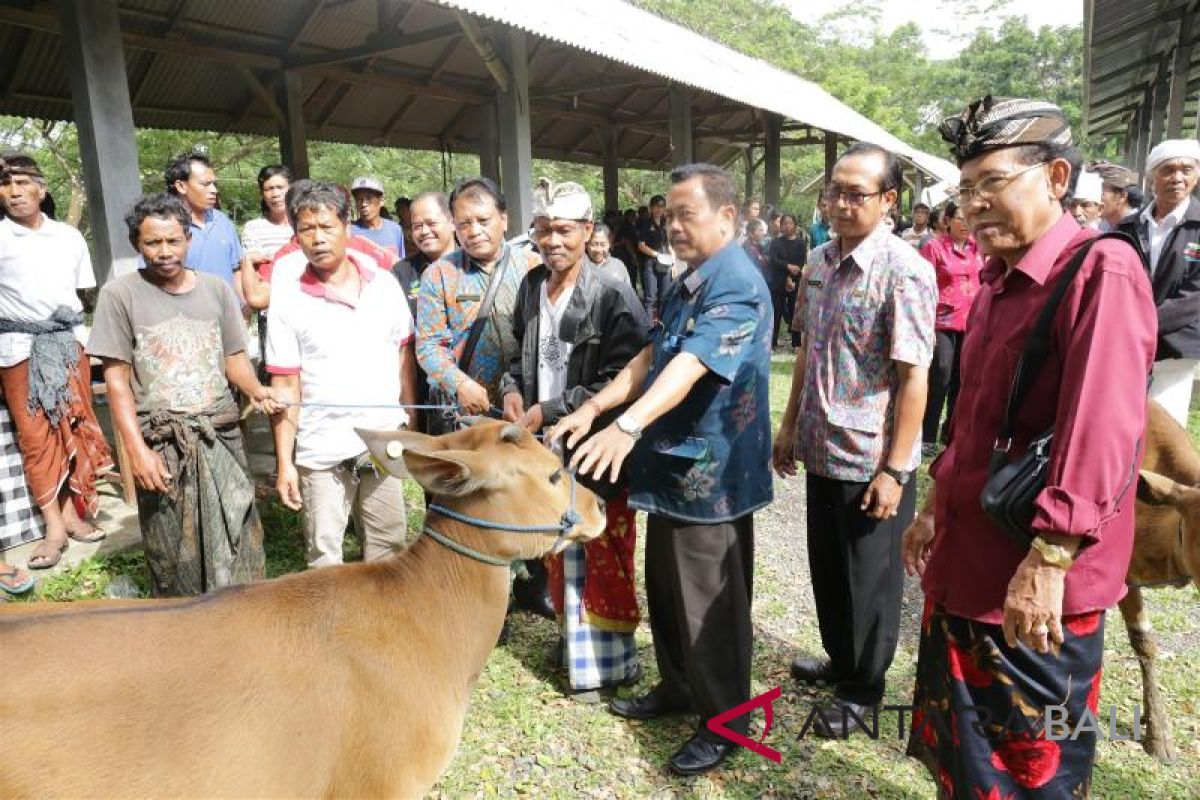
[
  {"x": 859, "y": 312},
  {"x": 176, "y": 344},
  {"x": 706, "y": 460},
  {"x": 390, "y": 236},
  {"x": 346, "y": 352},
  {"x": 263, "y": 236},
  {"x": 215, "y": 247},
  {"x": 40, "y": 269}
]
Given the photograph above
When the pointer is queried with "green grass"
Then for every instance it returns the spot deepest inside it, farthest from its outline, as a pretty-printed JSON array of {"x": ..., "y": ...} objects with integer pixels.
[{"x": 522, "y": 736}]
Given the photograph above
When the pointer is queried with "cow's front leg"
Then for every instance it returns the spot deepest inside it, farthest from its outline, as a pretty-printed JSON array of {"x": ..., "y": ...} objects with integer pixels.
[{"x": 1156, "y": 740}]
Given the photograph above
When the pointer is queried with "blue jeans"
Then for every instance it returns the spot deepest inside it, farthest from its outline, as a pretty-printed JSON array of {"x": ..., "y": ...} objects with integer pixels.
[{"x": 654, "y": 286}]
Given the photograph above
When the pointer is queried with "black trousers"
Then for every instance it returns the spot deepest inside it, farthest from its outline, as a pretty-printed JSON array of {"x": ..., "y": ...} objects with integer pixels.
[
  {"x": 857, "y": 581},
  {"x": 779, "y": 304},
  {"x": 699, "y": 581},
  {"x": 943, "y": 385}
]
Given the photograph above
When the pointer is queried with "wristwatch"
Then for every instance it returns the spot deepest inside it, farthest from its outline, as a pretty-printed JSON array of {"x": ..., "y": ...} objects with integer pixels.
[
  {"x": 898, "y": 475},
  {"x": 1054, "y": 554},
  {"x": 629, "y": 426}
]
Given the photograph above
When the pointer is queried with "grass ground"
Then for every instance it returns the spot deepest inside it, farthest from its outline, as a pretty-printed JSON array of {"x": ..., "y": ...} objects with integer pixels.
[{"x": 523, "y": 737}]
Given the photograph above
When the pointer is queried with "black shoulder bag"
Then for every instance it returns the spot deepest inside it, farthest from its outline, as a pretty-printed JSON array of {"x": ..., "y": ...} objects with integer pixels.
[
  {"x": 446, "y": 419},
  {"x": 1012, "y": 487}
]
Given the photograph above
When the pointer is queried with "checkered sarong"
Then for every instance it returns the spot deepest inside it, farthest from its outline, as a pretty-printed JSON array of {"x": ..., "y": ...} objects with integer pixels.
[
  {"x": 20, "y": 518},
  {"x": 594, "y": 657}
]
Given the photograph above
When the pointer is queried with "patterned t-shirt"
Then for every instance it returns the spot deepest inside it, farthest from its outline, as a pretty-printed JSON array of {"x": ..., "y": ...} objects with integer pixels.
[
  {"x": 176, "y": 343},
  {"x": 859, "y": 312}
]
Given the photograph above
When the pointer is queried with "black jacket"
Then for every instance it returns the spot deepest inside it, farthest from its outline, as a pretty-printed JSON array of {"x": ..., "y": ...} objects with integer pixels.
[
  {"x": 783, "y": 252},
  {"x": 1176, "y": 282},
  {"x": 605, "y": 324}
]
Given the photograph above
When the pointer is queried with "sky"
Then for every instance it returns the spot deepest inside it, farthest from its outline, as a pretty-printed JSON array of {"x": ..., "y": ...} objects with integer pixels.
[{"x": 948, "y": 15}]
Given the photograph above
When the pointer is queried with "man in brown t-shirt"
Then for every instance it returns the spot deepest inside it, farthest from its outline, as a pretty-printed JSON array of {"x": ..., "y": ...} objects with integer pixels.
[{"x": 172, "y": 342}]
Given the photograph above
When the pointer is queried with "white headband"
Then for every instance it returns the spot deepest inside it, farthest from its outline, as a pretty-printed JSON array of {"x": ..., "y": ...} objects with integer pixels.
[
  {"x": 561, "y": 200},
  {"x": 1170, "y": 150}
]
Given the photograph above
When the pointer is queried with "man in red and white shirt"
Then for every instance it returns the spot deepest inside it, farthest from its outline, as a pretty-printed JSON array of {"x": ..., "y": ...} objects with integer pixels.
[{"x": 341, "y": 341}]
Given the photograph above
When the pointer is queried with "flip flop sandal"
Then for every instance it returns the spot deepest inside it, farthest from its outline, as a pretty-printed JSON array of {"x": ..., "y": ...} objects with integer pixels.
[
  {"x": 96, "y": 535},
  {"x": 46, "y": 560},
  {"x": 17, "y": 588}
]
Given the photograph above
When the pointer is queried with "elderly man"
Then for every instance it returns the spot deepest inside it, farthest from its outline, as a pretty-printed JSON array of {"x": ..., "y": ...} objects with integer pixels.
[
  {"x": 172, "y": 342},
  {"x": 1120, "y": 194},
  {"x": 340, "y": 337},
  {"x": 1011, "y": 627},
  {"x": 1087, "y": 201},
  {"x": 370, "y": 224},
  {"x": 1167, "y": 233},
  {"x": 866, "y": 312},
  {"x": 45, "y": 379},
  {"x": 698, "y": 437},
  {"x": 578, "y": 327},
  {"x": 214, "y": 246}
]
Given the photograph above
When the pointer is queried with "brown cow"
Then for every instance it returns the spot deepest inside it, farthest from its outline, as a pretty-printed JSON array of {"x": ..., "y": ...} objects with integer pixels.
[
  {"x": 1166, "y": 552},
  {"x": 348, "y": 681}
]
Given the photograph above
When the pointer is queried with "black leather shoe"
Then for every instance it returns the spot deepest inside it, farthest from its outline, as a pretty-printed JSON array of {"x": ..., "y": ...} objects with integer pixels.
[
  {"x": 535, "y": 602},
  {"x": 699, "y": 755},
  {"x": 651, "y": 705},
  {"x": 813, "y": 670},
  {"x": 841, "y": 723}
]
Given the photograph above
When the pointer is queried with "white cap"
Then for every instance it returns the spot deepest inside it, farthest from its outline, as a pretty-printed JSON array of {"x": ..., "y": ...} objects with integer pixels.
[
  {"x": 565, "y": 200},
  {"x": 1088, "y": 187},
  {"x": 1171, "y": 149},
  {"x": 364, "y": 182}
]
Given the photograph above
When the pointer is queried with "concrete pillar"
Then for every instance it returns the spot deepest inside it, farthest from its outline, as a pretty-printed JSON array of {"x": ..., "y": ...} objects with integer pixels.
[
  {"x": 831, "y": 153},
  {"x": 293, "y": 137},
  {"x": 680, "y": 107},
  {"x": 1158, "y": 110},
  {"x": 91, "y": 44},
  {"x": 516, "y": 150},
  {"x": 489, "y": 141},
  {"x": 1180, "y": 67},
  {"x": 774, "y": 131},
  {"x": 612, "y": 174}
]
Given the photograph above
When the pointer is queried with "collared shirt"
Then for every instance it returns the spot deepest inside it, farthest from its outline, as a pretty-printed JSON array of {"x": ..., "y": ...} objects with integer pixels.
[
  {"x": 706, "y": 460},
  {"x": 215, "y": 247},
  {"x": 446, "y": 307},
  {"x": 957, "y": 272},
  {"x": 346, "y": 350},
  {"x": 1091, "y": 389},
  {"x": 653, "y": 235},
  {"x": 818, "y": 234},
  {"x": 859, "y": 312},
  {"x": 40, "y": 269},
  {"x": 1158, "y": 232}
]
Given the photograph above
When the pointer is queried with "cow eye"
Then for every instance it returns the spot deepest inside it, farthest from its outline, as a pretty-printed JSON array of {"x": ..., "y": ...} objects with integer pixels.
[{"x": 555, "y": 476}]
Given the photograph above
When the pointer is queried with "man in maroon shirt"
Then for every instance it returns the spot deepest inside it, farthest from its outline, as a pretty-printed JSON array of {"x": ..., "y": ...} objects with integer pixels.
[{"x": 1010, "y": 630}]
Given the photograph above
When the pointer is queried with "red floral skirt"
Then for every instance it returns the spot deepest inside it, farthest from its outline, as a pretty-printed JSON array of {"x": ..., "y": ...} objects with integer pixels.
[{"x": 980, "y": 709}]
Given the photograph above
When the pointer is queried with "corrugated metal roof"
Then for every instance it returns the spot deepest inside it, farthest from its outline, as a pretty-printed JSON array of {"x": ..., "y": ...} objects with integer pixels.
[{"x": 621, "y": 32}]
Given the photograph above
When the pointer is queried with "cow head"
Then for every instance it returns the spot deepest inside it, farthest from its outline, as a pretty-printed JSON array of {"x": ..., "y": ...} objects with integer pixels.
[
  {"x": 1168, "y": 523},
  {"x": 493, "y": 471}
]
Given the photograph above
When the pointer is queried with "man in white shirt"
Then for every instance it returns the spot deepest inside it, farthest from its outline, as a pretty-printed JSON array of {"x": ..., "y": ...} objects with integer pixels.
[
  {"x": 341, "y": 342},
  {"x": 1167, "y": 233},
  {"x": 45, "y": 378}
]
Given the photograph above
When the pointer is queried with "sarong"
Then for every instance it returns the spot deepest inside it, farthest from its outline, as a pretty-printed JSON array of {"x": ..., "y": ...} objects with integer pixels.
[
  {"x": 980, "y": 708},
  {"x": 592, "y": 587},
  {"x": 20, "y": 518},
  {"x": 204, "y": 532},
  {"x": 71, "y": 452}
]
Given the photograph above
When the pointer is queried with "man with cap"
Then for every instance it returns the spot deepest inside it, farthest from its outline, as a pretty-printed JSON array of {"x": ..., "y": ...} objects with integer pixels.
[
  {"x": 1085, "y": 207},
  {"x": 1010, "y": 628},
  {"x": 44, "y": 376},
  {"x": 578, "y": 327},
  {"x": 697, "y": 437},
  {"x": 1120, "y": 194},
  {"x": 1167, "y": 233},
  {"x": 368, "y": 205}
]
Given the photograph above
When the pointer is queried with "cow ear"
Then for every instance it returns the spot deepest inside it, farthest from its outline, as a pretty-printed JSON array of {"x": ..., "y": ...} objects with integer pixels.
[
  {"x": 455, "y": 473},
  {"x": 1156, "y": 490},
  {"x": 387, "y": 448}
]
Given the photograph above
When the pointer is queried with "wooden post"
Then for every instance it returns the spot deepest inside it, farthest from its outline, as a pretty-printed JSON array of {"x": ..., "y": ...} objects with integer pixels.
[
  {"x": 1181, "y": 66},
  {"x": 489, "y": 142},
  {"x": 612, "y": 174},
  {"x": 680, "y": 107},
  {"x": 293, "y": 137},
  {"x": 774, "y": 131},
  {"x": 516, "y": 151},
  {"x": 831, "y": 153}
]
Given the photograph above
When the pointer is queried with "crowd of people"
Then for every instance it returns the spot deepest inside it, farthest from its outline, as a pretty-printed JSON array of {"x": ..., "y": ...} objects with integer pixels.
[{"x": 642, "y": 343}]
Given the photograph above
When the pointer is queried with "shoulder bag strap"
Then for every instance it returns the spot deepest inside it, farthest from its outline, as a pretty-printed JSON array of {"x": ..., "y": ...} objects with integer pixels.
[
  {"x": 1037, "y": 346},
  {"x": 485, "y": 310}
]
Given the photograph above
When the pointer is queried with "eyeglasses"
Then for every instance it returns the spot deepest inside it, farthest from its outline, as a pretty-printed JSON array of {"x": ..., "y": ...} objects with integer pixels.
[
  {"x": 853, "y": 199},
  {"x": 992, "y": 185}
]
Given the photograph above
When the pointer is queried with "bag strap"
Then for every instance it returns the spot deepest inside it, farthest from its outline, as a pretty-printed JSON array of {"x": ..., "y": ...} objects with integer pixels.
[
  {"x": 1037, "y": 346},
  {"x": 485, "y": 310}
]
